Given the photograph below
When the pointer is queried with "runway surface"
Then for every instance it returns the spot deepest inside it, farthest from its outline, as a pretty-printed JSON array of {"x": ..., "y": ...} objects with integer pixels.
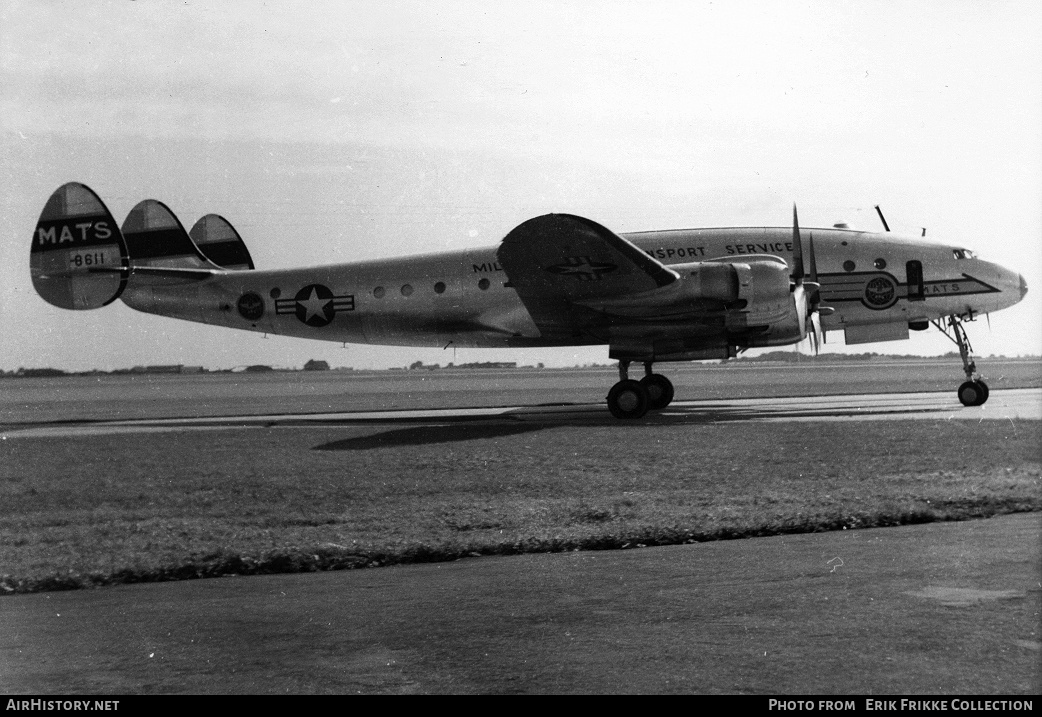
[
  {"x": 941, "y": 609},
  {"x": 1009, "y": 404}
]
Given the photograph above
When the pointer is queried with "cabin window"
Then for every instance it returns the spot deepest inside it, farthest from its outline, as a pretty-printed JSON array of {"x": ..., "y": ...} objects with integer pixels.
[
  {"x": 407, "y": 290},
  {"x": 275, "y": 293},
  {"x": 379, "y": 292},
  {"x": 916, "y": 288},
  {"x": 483, "y": 284},
  {"x": 880, "y": 263},
  {"x": 439, "y": 288},
  {"x": 848, "y": 265},
  {"x": 963, "y": 254}
]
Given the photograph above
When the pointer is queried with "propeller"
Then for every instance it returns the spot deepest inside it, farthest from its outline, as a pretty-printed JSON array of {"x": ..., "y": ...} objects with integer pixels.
[{"x": 807, "y": 286}]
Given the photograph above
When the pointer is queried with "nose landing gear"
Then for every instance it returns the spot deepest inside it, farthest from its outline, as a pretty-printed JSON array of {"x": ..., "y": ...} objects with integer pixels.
[
  {"x": 973, "y": 391},
  {"x": 632, "y": 399}
]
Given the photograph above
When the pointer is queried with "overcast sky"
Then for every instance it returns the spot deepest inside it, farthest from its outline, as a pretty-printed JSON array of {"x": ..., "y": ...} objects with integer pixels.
[{"x": 333, "y": 131}]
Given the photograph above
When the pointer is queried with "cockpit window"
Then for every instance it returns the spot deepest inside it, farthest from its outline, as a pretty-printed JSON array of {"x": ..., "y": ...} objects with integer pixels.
[{"x": 963, "y": 254}]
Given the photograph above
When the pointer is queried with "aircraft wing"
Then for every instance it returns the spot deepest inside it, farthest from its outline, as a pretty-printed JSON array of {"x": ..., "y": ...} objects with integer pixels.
[{"x": 557, "y": 261}]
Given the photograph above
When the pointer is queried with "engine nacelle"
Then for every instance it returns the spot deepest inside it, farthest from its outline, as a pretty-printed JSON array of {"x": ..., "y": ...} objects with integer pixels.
[
  {"x": 754, "y": 291},
  {"x": 760, "y": 283},
  {"x": 714, "y": 281},
  {"x": 768, "y": 313}
]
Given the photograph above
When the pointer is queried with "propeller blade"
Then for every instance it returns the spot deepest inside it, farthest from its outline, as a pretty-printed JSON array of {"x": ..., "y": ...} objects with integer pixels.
[
  {"x": 816, "y": 332},
  {"x": 797, "y": 248},
  {"x": 802, "y": 305},
  {"x": 815, "y": 287},
  {"x": 813, "y": 263}
]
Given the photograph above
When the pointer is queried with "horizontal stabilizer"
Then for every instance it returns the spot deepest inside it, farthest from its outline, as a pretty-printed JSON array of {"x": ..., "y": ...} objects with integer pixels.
[
  {"x": 220, "y": 243},
  {"x": 75, "y": 236},
  {"x": 155, "y": 237},
  {"x": 164, "y": 272}
]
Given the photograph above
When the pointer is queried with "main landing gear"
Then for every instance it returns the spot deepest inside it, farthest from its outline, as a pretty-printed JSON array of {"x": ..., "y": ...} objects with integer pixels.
[
  {"x": 973, "y": 391},
  {"x": 632, "y": 399}
]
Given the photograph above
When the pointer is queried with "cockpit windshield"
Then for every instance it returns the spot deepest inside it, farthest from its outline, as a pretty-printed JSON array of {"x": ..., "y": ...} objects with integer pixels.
[{"x": 963, "y": 254}]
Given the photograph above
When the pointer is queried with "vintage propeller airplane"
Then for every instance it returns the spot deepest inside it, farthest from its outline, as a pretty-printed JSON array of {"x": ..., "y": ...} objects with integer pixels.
[{"x": 555, "y": 280}]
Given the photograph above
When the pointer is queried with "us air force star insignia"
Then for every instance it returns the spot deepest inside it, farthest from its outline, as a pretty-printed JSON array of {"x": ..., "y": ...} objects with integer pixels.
[
  {"x": 582, "y": 268},
  {"x": 315, "y": 305}
]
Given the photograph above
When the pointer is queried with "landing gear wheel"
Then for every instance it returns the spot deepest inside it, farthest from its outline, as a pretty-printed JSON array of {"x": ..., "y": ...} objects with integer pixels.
[
  {"x": 660, "y": 391},
  {"x": 628, "y": 399},
  {"x": 973, "y": 393},
  {"x": 984, "y": 388}
]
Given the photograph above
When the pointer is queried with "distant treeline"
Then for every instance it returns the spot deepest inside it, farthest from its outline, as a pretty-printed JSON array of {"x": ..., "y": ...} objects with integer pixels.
[
  {"x": 794, "y": 357},
  {"x": 770, "y": 356},
  {"x": 173, "y": 369},
  {"x": 483, "y": 364}
]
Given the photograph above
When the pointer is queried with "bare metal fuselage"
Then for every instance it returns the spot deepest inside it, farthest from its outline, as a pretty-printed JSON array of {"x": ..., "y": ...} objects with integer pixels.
[{"x": 464, "y": 297}]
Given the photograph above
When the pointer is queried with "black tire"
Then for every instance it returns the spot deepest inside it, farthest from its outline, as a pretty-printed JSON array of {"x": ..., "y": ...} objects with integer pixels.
[
  {"x": 971, "y": 394},
  {"x": 628, "y": 399},
  {"x": 985, "y": 392},
  {"x": 660, "y": 391}
]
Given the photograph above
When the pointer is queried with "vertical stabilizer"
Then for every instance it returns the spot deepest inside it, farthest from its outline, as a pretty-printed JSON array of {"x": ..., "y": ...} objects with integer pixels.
[
  {"x": 220, "y": 243},
  {"x": 78, "y": 258},
  {"x": 156, "y": 238}
]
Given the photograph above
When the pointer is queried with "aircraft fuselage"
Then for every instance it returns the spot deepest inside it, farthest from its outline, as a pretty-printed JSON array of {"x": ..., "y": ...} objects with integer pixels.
[{"x": 877, "y": 283}]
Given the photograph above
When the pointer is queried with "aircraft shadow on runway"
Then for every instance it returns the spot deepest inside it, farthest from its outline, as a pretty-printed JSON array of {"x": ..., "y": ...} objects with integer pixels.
[
  {"x": 452, "y": 429},
  {"x": 702, "y": 414},
  {"x": 426, "y": 435}
]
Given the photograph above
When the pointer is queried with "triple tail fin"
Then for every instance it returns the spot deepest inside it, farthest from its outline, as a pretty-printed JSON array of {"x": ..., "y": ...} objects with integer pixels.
[
  {"x": 81, "y": 259},
  {"x": 78, "y": 259}
]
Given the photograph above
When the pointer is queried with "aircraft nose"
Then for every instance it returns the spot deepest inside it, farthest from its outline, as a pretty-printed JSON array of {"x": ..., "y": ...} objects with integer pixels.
[{"x": 1023, "y": 287}]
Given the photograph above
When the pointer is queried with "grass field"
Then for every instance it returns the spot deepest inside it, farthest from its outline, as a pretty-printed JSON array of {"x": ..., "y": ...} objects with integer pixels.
[{"x": 92, "y": 510}]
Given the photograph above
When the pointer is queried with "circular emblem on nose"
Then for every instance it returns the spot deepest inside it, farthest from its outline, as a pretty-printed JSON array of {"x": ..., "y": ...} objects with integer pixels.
[
  {"x": 251, "y": 306},
  {"x": 880, "y": 293}
]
